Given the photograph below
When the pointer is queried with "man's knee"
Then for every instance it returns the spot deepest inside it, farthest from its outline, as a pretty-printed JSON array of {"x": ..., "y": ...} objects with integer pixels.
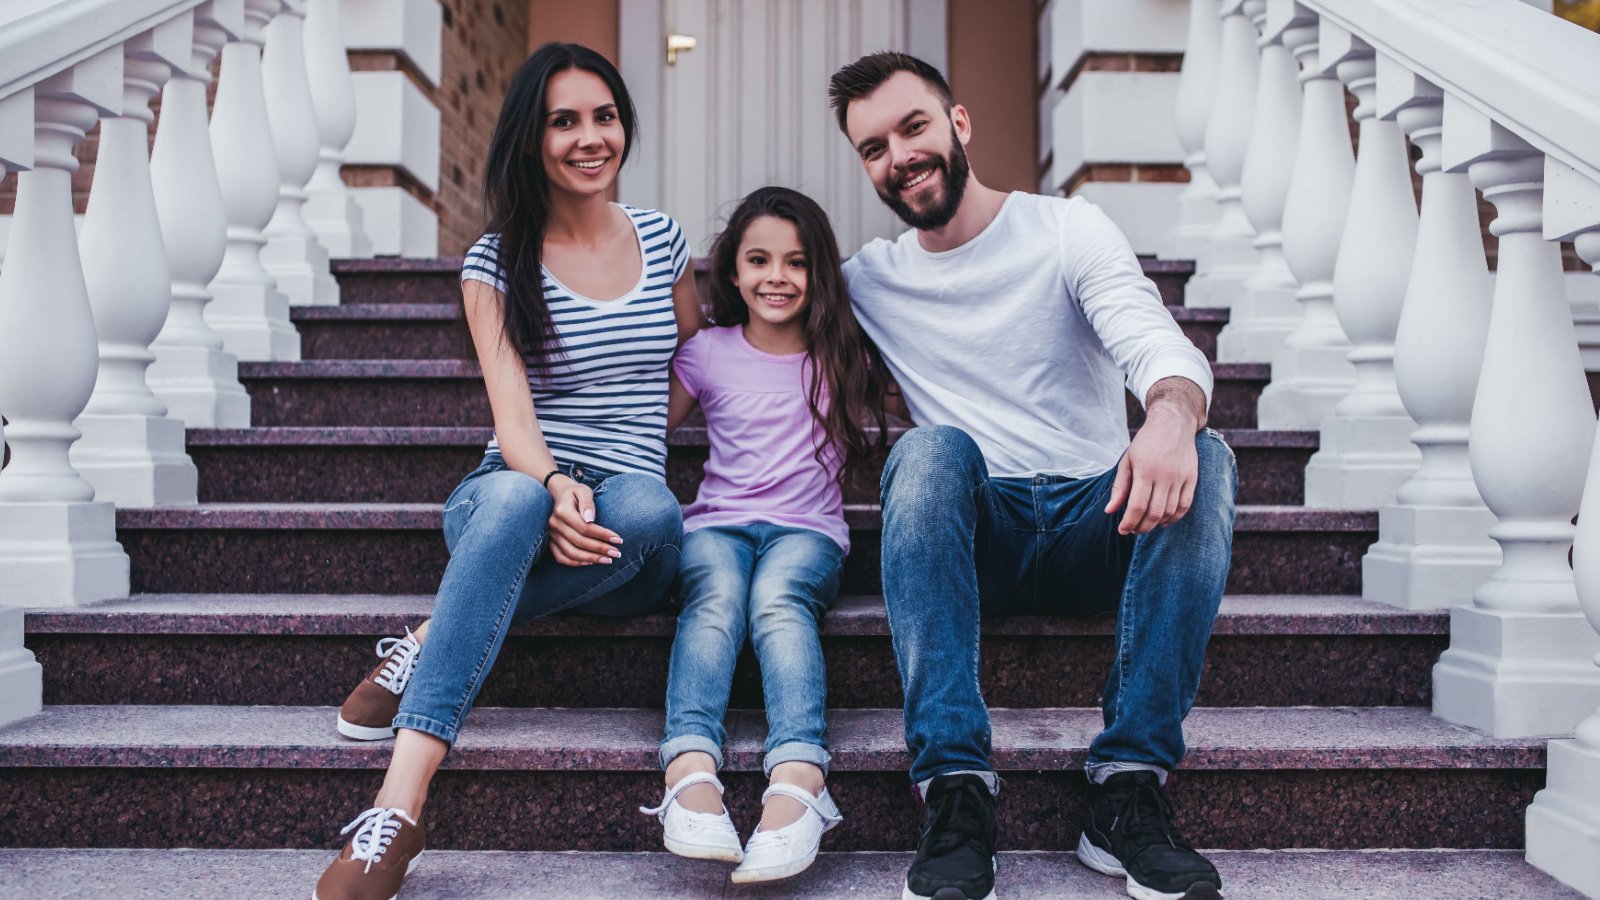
[
  {"x": 1217, "y": 482},
  {"x": 931, "y": 461}
]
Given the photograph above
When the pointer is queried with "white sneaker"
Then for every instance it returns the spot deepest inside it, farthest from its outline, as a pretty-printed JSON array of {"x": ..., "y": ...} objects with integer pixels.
[
  {"x": 696, "y": 835},
  {"x": 789, "y": 850}
]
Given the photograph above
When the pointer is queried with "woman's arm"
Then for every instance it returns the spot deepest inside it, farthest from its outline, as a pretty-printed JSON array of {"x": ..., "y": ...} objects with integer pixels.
[
  {"x": 574, "y": 538},
  {"x": 686, "y": 307}
]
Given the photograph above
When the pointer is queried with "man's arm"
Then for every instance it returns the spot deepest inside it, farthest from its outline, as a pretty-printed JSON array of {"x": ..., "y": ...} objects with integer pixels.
[{"x": 1156, "y": 477}]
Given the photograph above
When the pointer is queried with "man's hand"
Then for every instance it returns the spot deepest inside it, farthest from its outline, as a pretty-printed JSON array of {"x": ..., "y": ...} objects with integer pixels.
[
  {"x": 1156, "y": 477},
  {"x": 575, "y": 540}
]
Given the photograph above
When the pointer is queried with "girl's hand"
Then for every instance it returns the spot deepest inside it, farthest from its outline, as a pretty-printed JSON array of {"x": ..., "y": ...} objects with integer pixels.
[{"x": 575, "y": 539}]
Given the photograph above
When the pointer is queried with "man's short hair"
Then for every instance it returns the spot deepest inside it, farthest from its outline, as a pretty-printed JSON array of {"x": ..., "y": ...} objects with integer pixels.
[{"x": 863, "y": 76}]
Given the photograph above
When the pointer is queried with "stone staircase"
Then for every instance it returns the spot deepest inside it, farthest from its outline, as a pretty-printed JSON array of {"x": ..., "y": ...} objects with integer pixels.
[{"x": 199, "y": 713}]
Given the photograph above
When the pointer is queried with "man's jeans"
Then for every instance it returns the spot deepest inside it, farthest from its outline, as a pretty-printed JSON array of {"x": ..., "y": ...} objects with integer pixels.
[
  {"x": 772, "y": 583},
  {"x": 957, "y": 542},
  {"x": 499, "y": 575}
]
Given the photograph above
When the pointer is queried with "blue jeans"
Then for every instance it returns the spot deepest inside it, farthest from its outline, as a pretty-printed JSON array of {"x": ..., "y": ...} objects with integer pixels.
[
  {"x": 500, "y": 574},
  {"x": 772, "y": 583},
  {"x": 957, "y": 543}
]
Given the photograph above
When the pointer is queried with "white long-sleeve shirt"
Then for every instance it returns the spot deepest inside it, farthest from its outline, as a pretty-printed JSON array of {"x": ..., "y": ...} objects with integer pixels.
[{"x": 1024, "y": 336}]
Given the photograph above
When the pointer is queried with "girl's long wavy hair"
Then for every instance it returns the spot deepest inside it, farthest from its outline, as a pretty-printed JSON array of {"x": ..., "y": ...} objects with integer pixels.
[
  {"x": 516, "y": 192},
  {"x": 846, "y": 367}
]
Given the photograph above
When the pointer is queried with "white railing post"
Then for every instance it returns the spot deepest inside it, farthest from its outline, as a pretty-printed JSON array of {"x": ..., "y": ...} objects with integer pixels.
[
  {"x": 1197, "y": 85},
  {"x": 330, "y": 210},
  {"x": 1233, "y": 256},
  {"x": 247, "y": 309},
  {"x": 1564, "y": 820},
  {"x": 58, "y": 544},
  {"x": 196, "y": 378},
  {"x": 1520, "y": 657},
  {"x": 131, "y": 451},
  {"x": 1366, "y": 451},
  {"x": 292, "y": 255},
  {"x": 1312, "y": 372},
  {"x": 1433, "y": 546},
  {"x": 1265, "y": 310}
]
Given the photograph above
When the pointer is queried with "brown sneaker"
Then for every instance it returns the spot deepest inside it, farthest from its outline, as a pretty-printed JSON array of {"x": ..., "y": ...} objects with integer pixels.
[
  {"x": 383, "y": 851},
  {"x": 368, "y": 713}
]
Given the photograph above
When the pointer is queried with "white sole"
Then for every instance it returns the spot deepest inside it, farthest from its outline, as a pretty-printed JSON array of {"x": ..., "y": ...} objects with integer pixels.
[
  {"x": 1106, "y": 864},
  {"x": 774, "y": 873},
  {"x": 363, "y": 732},
  {"x": 906, "y": 893},
  {"x": 410, "y": 867},
  {"x": 704, "y": 851}
]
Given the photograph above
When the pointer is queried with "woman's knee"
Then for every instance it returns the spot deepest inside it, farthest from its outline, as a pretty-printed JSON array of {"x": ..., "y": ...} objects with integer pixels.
[
  {"x": 506, "y": 498},
  {"x": 639, "y": 507},
  {"x": 933, "y": 459}
]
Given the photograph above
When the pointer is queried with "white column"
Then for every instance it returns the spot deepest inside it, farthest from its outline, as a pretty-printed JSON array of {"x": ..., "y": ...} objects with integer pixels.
[
  {"x": 58, "y": 546},
  {"x": 1366, "y": 451},
  {"x": 1433, "y": 546},
  {"x": 1233, "y": 256},
  {"x": 1197, "y": 206},
  {"x": 247, "y": 309},
  {"x": 1265, "y": 310},
  {"x": 131, "y": 451},
  {"x": 193, "y": 375},
  {"x": 1564, "y": 820},
  {"x": 330, "y": 210},
  {"x": 1312, "y": 372},
  {"x": 1519, "y": 661},
  {"x": 292, "y": 255}
]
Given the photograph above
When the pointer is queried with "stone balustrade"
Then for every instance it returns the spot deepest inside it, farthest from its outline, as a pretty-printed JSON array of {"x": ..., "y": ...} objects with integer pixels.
[{"x": 1453, "y": 400}]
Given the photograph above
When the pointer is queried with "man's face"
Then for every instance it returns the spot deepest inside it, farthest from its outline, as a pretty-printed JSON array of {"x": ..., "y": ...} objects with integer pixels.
[{"x": 912, "y": 149}]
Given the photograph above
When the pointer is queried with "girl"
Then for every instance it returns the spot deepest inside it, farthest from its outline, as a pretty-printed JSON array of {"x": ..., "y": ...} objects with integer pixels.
[
  {"x": 785, "y": 382},
  {"x": 575, "y": 306}
]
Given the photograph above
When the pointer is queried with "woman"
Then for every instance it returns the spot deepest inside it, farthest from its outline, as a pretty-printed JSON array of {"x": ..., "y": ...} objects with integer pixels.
[{"x": 575, "y": 305}]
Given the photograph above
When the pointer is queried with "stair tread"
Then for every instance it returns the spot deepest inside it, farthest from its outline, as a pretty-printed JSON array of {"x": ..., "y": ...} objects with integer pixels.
[
  {"x": 452, "y": 311},
  {"x": 56, "y": 874},
  {"x": 619, "y": 740},
  {"x": 1275, "y": 518},
  {"x": 856, "y": 615},
  {"x": 464, "y": 368}
]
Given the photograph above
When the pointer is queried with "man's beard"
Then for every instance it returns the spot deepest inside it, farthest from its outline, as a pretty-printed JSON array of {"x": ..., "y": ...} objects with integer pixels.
[{"x": 954, "y": 171}]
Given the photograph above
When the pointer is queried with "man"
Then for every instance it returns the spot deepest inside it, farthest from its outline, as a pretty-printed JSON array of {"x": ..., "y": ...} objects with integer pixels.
[{"x": 1012, "y": 323}]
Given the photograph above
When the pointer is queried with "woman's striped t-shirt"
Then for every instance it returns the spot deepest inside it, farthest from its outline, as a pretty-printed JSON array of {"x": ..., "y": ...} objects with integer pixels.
[{"x": 603, "y": 402}]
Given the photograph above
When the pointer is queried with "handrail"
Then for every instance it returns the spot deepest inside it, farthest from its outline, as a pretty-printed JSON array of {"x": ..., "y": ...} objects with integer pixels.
[
  {"x": 39, "y": 38},
  {"x": 1536, "y": 74}
]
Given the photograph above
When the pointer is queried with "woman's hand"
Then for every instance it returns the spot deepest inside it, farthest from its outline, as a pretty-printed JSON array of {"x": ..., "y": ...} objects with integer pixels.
[{"x": 575, "y": 539}]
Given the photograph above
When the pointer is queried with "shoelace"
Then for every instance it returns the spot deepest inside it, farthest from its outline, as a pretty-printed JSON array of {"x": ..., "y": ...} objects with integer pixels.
[
  {"x": 402, "y": 653},
  {"x": 1146, "y": 817},
  {"x": 958, "y": 819},
  {"x": 374, "y": 832}
]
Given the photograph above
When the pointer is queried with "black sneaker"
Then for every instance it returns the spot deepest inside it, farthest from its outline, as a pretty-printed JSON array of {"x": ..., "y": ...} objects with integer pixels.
[
  {"x": 955, "y": 858},
  {"x": 1128, "y": 831}
]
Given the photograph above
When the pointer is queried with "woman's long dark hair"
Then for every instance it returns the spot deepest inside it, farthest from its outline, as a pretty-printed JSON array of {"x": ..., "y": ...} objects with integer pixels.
[
  {"x": 516, "y": 194},
  {"x": 844, "y": 362}
]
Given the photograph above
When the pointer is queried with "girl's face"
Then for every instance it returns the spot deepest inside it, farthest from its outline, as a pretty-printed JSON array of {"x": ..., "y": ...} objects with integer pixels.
[
  {"x": 770, "y": 271},
  {"x": 583, "y": 135}
]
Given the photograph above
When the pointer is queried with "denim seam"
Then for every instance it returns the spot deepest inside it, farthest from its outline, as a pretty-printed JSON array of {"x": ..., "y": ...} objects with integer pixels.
[
  {"x": 506, "y": 608},
  {"x": 432, "y": 727},
  {"x": 644, "y": 557}
]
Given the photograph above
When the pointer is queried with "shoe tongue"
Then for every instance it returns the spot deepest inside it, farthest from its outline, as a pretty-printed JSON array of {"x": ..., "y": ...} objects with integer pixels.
[{"x": 945, "y": 784}]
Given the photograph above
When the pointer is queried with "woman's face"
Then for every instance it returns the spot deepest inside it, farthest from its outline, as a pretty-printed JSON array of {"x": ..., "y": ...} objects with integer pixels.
[{"x": 583, "y": 135}]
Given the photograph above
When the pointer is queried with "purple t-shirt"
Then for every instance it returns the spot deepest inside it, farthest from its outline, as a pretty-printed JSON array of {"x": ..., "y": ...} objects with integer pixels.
[{"x": 763, "y": 465}]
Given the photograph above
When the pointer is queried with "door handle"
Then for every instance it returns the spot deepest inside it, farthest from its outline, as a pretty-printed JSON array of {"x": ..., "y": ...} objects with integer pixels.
[{"x": 678, "y": 43}]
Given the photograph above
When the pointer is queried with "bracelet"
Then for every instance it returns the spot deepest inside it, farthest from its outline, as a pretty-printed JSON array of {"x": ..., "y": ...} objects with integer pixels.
[{"x": 553, "y": 473}]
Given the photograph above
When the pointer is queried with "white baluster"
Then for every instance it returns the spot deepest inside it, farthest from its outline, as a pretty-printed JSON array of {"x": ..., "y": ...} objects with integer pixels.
[
  {"x": 1564, "y": 820},
  {"x": 292, "y": 254},
  {"x": 1433, "y": 545},
  {"x": 57, "y": 544},
  {"x": 1312, "y": 372},
  {"x": 1233, "y": 256},
  {"x": 1197, "y": 206},
  {"x": 247, "y": 309},
  {"x": 131, "y": 451},
  {"x": 1366, "y": 451},
  {"x": 1519, "y": 657},
  {"x": 1265, "y": 311},
  {"x": 331, "y": 210},
  {"x": 193, "y": 375}
]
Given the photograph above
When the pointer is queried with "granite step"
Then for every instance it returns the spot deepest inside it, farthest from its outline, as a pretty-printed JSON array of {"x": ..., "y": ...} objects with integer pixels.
[
  {"x": 511, "y": 875},
  {"x": 367, "y": 464},
  {"x": 565, "y": 779},
  {"x": 449, "y": 392},
  {"x": 309, "y": 649},
  {"x": 438, "y": 331},
  {"x": 437, "y": 281},
  {"x": 398, "y": 548}
]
